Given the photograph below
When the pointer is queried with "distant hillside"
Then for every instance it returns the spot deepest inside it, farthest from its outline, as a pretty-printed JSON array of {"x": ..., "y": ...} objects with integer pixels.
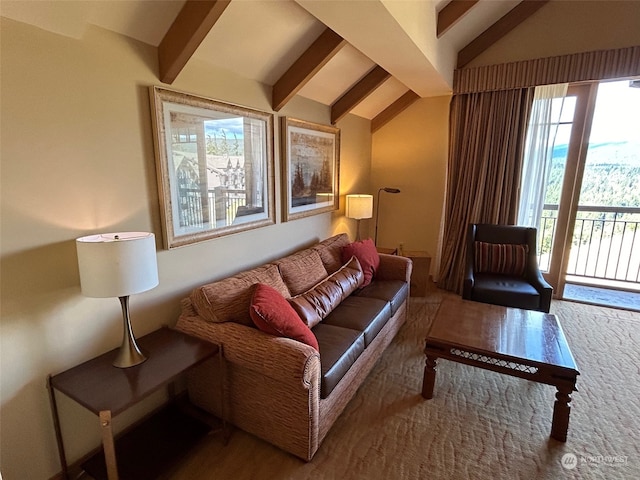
[
  {"x": 625, "y": 153},
  {"x": 611, "y": 177}
]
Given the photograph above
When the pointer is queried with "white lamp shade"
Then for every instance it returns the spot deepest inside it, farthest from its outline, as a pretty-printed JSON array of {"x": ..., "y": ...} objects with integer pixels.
[
  {"x": 117, "y": 264},
  {"x": 359, "y": 206}
]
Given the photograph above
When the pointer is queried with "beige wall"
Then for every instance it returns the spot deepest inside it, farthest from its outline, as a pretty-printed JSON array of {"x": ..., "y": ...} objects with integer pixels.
[
  {"x": 77, "y": 158},
  {"x": 562, "y": 27},
  {"x": 410, "y": 153}
]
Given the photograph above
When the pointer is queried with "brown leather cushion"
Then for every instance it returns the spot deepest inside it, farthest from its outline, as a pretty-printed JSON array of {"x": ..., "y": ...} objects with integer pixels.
[
  {"x": 393, "y": 291},
  {"x": 367, "y": 315},
  {"x": 229, "y": 299},
  {"x": 302, "y": 270},
  {"x": 339, "y": 349},
  {"x": 316, "y": 303},
  {"x": 511, "y": 291}
]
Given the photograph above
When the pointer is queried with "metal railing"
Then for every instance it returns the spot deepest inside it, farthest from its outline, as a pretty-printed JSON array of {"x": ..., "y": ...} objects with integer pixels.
[{"x": 605, "y": 245}]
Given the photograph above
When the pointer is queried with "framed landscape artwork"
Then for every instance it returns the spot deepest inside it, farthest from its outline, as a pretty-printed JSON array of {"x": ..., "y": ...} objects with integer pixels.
[
  {"x": 215, "y": 167},
  {"x": 311, "y": 168}
]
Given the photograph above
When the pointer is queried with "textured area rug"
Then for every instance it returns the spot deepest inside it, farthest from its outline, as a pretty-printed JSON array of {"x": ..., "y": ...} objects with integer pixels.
[{"x": 479, "y": 425}]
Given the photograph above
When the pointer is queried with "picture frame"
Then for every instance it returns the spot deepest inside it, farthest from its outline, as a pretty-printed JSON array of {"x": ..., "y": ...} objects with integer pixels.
[
  {"x": 310, "y": 168},
  {"x": 215, "y": 167}
]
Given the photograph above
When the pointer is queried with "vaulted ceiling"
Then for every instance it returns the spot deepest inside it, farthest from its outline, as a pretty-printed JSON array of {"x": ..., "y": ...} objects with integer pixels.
[{"x": 371, "y": 58}]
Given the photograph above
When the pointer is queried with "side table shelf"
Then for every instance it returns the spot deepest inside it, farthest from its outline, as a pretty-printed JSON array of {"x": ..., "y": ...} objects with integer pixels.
[{"x": 107, "y": 391}]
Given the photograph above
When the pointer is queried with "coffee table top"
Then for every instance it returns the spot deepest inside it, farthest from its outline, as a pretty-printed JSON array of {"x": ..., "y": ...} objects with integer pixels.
[{"x": 511, "y": 333}]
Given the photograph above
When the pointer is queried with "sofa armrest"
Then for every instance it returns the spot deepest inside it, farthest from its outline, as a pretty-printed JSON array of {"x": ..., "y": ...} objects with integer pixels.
[
  {"x": 394, "y": 267},
  {"x": 281, "y": 359}
]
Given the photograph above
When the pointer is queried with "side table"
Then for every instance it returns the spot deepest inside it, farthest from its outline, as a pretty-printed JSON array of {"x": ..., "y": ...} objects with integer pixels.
[
  {"x": 421, "y": 267},
  {"x": 108, "y": 391}
]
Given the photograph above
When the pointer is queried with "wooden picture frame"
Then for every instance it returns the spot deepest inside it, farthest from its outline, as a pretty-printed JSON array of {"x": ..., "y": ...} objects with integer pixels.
[
  {"x": 215, "y": 167},
  {"x": 310, "y": 168}
]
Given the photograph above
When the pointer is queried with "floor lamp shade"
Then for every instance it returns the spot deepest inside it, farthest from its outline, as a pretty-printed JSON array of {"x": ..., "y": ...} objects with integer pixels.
[
  {"x": 359, "y": 206},
  {"x": 117, "y": 264}
]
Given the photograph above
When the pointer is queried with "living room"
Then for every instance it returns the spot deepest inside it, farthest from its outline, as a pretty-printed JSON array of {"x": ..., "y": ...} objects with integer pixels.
[{"x": 78, "y": 158}]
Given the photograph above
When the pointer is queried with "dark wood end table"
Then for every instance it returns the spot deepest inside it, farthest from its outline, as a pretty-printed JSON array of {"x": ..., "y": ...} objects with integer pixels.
[
  {"x": 521, "y": 343},
  {"x": 108, "y": 391}
]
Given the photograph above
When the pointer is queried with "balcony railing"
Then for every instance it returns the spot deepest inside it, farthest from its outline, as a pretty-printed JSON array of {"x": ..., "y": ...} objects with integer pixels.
[{"x": 605, "y": 245}]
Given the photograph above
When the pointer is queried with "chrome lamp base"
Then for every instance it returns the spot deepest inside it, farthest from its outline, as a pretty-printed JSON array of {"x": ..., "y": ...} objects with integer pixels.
[{"x": 129, "y": 354}]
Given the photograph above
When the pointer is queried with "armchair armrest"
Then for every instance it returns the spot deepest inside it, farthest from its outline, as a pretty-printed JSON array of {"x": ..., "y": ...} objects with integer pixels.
[
  {"x": 281, "y": 359},
  {"x": 394, "y": 267},
  {"x": 468, "y": 280},
  {"x": 544, "y": 289}
]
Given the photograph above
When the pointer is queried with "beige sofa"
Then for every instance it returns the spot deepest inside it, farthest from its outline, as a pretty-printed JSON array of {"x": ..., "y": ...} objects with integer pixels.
[{"x": 279, "y": 389}]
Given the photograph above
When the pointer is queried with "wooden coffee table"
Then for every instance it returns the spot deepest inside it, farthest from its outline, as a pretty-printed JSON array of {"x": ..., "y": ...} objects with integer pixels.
[{"x": 520, "y": 343}]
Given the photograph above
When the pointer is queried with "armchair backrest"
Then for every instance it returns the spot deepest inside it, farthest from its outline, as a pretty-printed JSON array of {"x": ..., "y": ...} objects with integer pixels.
[{"x": 503, "y": 234}]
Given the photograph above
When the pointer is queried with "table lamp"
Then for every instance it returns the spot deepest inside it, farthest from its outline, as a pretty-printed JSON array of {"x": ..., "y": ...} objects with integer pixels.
[
  {"x": 358, "y": 207},
  {"x": 383, "y": 189},
  {"x": 119, "y": 265}
]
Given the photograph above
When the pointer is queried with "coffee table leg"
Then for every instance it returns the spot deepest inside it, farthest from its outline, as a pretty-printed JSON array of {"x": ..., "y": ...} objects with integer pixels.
[
  {"x": 429, "y": 376},
  {"x": 561, "y": 411}
]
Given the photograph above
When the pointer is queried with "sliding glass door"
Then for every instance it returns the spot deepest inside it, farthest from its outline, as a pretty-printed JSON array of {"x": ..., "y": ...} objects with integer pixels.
[{"x": 589, "y": 231}]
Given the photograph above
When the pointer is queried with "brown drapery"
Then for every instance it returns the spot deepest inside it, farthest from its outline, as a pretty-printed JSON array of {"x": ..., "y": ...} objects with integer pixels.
[
  {"x": 488, "y": 122},
  {"x": 487, "y": 132}
]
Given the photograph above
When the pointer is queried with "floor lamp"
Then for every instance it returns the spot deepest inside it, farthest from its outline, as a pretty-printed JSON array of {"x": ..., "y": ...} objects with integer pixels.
[
  {"x": 359, "y": 207},
  {"x": 388, "y": 190}
]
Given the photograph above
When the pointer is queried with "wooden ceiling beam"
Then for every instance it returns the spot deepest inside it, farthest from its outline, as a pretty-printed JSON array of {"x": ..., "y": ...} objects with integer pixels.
[
  {"x": 185, "y": 34},
  {"x": 451, "y": 13},
  {"x": 392, "y": 110},
  {"x": 305, "y": 67},
  {"x": 358, "y": 93},
  {"x": 495, "y": 32}
]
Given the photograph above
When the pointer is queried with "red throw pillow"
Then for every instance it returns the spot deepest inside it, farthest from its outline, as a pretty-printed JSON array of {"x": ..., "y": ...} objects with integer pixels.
[
  {"x": 272, "y": 314},
  {"x": 366, "y": 253}
]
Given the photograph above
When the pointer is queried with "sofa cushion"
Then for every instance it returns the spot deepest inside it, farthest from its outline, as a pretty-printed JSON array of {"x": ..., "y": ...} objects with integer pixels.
[
  {"x": 393, "y": 291},
  {"x": 366, "y": 253},
  {"x": 503, "y": 289},
  {"x": 340, "y": 348},
  {"x": 500, "y": 258},
  {"x": 316, "y": 303},
  {"x": 302, "y": 270},
  {"x": 272, "y": 314},
  {"x": 330, "y": 251},
  {"x": 367, "y": 315},
  {"x": 229, "y": 299}
]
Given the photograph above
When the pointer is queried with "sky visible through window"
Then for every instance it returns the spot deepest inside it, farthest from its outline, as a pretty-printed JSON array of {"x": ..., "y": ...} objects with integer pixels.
[{"x": 612, "y": 170}]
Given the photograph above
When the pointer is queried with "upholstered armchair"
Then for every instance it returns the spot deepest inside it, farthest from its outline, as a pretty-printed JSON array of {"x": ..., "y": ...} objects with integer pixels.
[{"x": 502, "y": 268}]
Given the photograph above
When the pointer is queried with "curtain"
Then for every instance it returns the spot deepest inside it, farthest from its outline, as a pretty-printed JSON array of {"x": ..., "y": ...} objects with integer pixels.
[
  {"x": 486, "y": 143},
  {"x": 541, "y": 136}
]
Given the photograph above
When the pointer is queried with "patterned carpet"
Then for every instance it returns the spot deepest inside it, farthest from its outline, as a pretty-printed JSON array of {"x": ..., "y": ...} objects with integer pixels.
[{"x": 479, "y": 425}]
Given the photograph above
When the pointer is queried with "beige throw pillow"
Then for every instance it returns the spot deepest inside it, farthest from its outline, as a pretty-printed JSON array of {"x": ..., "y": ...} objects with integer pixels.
[
  {"x": 302, "y": 270},
  {"x": 229, "y": 299}
]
